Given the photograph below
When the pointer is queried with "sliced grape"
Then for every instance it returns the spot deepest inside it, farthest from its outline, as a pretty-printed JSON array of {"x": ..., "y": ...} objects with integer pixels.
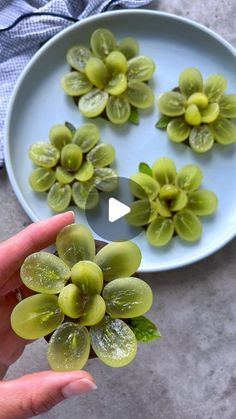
[
  {"x": 102, "y": 42},
  {"x": 71, "y": 301},
  {"x": 88, "y": 277},
  {"x": 59, "y": 197},
  {"x": 85, "y": 172},
  {"x": 94, "y": 311},
  {"x": 192, "y": 115},
  {"x": 164, "y": 171},
  {"x": 118, "y": 109},
  {"x": 187, "y": 225},
  {"x": 172, "y": 104},
  {"x": 202, "y": 202},
  {"x": 139, "y": 94},
  {"x": 93, "y": 103},
  {"x": 86, "y": 136},
  {"x": 102, "y": 155},
  {"x": 63, "y": 176},
  {"x": 201, "y": 139},
  {"x": 116, "y": 62},
  {"x": 189, "y": 178},
  {"x": 84, "y": 195},
  {"x": 60, "y": 135},
  {"x": 142, "y": 212},
  {"x": 96, "y": 72},
  {"x": 69, "y": 347},
  {"x": 113, "y": 342},
  {"x": 224, "y": 131},
  {"x": 190, "y": 81},
  {"x": 160, "y": 231},
  {"x": 74, "y": 243},
  {"x": 214, "y": 87},
  {"x": 178, "y": 130},
  {"x": 76, "y": 83},
  {"x": 144, "y": 186},
  {"x": 210, "y": 113},
  {"x": 168, "y": 192},
  {"x": 129, "y": 47},
  {"x": 41, "y": 179},
  {"x": 198, "y": 99},
  {"x": 105, "y": 179},
  {"x": 140, "y": 68},
  {"x": 78, "y": 56},
  {"x": 162, "y": 208},
  {"x": 36, "y": 316},
  {"x": 44, "y": 155},
  {"x": 228, "y": 106},
  {"x": 117, "y": 84},
  {"x": 71, "y": 157},
  {"x": 118, "y": 259},
  {"x": 179, "y": 202}
]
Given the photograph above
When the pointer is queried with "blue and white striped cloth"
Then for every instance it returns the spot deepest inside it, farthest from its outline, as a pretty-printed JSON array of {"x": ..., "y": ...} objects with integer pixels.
[{"x": 19, "y": 42}]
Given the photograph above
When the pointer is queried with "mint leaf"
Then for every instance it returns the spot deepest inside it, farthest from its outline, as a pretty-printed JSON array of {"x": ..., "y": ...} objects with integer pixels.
[
  {"x": 134, "y": 116},
  {"x": 163, "y": 122},
  {"x": 144, "y": 168},
  {"x": 71, "y": 127},
  {"x": 145, "y": 331}
]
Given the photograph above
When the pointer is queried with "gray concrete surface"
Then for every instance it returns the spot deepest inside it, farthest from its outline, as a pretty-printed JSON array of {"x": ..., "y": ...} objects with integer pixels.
[{"x": 191, "y": 372}]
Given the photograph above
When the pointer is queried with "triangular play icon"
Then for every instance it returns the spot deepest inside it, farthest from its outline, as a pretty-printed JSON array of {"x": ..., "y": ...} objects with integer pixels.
[{"x": 116, "y": 210}]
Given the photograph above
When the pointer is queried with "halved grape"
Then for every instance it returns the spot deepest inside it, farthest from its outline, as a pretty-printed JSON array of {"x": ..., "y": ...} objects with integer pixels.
[
  {"x": 164, "y": 171},
  {"x": 224, "y": 131},
  {"x": 129, "y": 47},
  {"x": 162, "y": 208},
  {"x": 76, "y": 83},
  {"x": 63, "y": 176},
  {"x": 117, "y": 84},
  {"x": 102, "y": 155},
  {"x": 201, "y": 139},
  {"x": 192, "y": 115},
  {"x": 178, "y": 130},
  {"x": 189, "y": 178},
  {"x": 172, "y": 104},
  {"x": 71, "y": 301},
  {"x": 86, "y": 136},
  {"x": 202, "y": 202},
  {"x": 144, "y": 186},
  {"x": 44, "y": 154},
  {"x": 85, "y": 195},
  {"x": 59, "y": 197},
  {"x": 69, "y": 347},
  {"x": 60, "y": 135},
  {"x": 85, "y": 172},
  {"x": 74, "y": 243},
  {"x": 179, "y": 202},
  {"x": 96, "y": 72},
  {"x": 113, "y": 342},
  {"x": 36, "y": 316},
  {"x": 94, "y": 311},
  {"x": 118, "y": 109},
  {"x": 140, "y": 68},
  {"x": 93, "y": 103},
  {"x": 160, "y": 231},
  {"x": 139, "y": 94},
  {"x": 78, "y": 56},
  {"x": 88, "y": 277},
  {"x": 71, "y": 157},
  {"x": 198, "y": 99},
  {"x": 187, "y": 225},
  {"x": 118, "y": 259},
  {"x": 214, "y": 87},
  {"x": 44, "y": 272},
  {"x": 142, "y": 212},
  {"x": 102, "y": 42},
  {"x": 210, "y": 113},
  {"x": 168, "y": 192},
  {"x": 105, "y": 179},
  {"x": 41, "y": 179},
  {"x": 228, "y": 106},
  {"x": 116, "y": 62},
  {"x": 190, "y": 81}
]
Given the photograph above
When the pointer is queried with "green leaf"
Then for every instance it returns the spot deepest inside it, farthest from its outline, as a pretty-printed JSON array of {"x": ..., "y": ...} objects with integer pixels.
[
  {"x": 145, "y": 168},
  {"x": 70, "y": 126},
  {"x": 163, "y": 122},
  {"x": 134, "y": 116},
  {"x": 145, "y": 331}
]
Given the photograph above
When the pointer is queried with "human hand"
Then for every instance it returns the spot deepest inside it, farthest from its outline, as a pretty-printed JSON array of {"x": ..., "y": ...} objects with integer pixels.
[{"x": 36, "y": 393}]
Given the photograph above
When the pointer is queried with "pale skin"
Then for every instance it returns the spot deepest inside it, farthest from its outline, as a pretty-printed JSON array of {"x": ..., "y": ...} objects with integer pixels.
[{"x": 36, "y": 393}]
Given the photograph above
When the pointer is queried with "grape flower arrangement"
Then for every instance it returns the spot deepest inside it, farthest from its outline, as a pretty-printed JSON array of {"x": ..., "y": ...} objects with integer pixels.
[
  {"x": 199, "y": 111},
  {"x": 86, "y": 300}
]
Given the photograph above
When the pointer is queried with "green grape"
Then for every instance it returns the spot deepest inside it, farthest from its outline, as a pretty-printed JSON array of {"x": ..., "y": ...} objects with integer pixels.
[
  {"x": 162, "y": 208},
  {"x": 144, "y": 186},
  {"x": 160, "y": 231},
  {"x": 129, "y": 47},
  {"x": 44, "y": 155},
  {"x": 179, "y": 202},
  {"x": 41, "y": 179},
  {"x": 77, "y": 57},
  {"x": 201, "y": 139},
  {"x": 96, "y": 72},
  {"x": 192, "y": 115},
  {"x": 69, "y": 347},
  {"x": 168, "y": 192},
  {"x": 164, "y": 171},
  {"x": 198, "y": 99},
  {"x": 127, "y": 297},
  {"x": 224, "y": 131},
  {"x": 60, "y": 135},
  {"x": 142, "y": 212},
  {"x": 105, "y": 179},
  {"x": 84, "y": 195},
  {"x": 71, "y": 301},
  {"x": 36, "y": 316},
  {"x": 85, "y": 172},
  {"x": 210, "y": 113},
  {"x": 190, "y": 81},
  {"x": 86, "y": 136},
  {"x": 88, "y": 277},
  {"x": 76, "y": 83},
  {"x": 93, "y": 103},
  {"x": 113, "y": 342},
  {"x": 74, "y": 243},
  {"x": 189, "y": 178},
  {"x": 102, "y": 43},
  {"x": 228, "y": 106},
  {"x": 117, "y": 84},
  {"x": 116, "y": 62},
  {"x": 139, "y": 94},
  {"x": 172, "y": 104},
  {"x": 202, "y": 202},
  {"x": 59, "y": 197},
  {"x": 214, "y": 87},
  {"x": 118, "y": 109},
  {"x": 140, "y": 68},
  {"x": 44, "y": 272},
  {"x": 71, "y": 157},
  {"x": 118, "y": 259},
  {"x": 94, "y": 311},
  {"x": 102, "y": 155},
  {"x": 178, "y": 130},
  {"x": 63, "y": 176},
  {"x": 187, "y": 225}
]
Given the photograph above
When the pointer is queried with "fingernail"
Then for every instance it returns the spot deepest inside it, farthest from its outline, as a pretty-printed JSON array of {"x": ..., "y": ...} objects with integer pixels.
[
  {"x": 70, "y": 212},
  {"x": 78, "y": 387}
]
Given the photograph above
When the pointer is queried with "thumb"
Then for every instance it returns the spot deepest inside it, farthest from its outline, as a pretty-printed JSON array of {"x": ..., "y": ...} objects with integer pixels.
[{"x": 37, "y": 393}]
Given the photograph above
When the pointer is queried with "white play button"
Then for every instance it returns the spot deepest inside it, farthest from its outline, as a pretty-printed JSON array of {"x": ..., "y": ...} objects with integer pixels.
[{"x": 116, "y": 210}]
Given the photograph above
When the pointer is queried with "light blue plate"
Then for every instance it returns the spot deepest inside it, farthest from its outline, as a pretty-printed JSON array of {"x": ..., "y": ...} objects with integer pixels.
[{"x": 174, "y": 43}]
